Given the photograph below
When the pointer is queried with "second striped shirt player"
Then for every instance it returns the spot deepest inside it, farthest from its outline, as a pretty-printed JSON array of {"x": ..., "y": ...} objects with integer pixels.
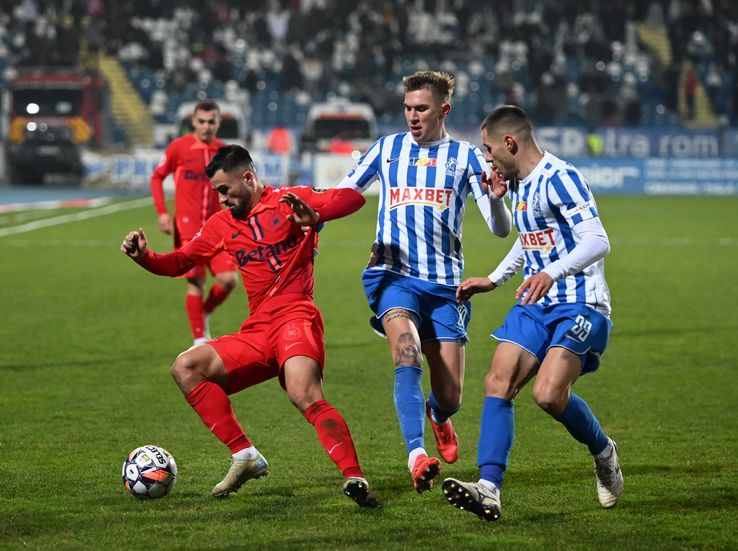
[{"x": 425, "y": 179}]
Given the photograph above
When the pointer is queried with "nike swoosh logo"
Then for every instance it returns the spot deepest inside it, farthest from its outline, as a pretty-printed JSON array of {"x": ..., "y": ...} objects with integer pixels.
[
  {"x": 393, "y": 160},
  {"x": 234, "y": 235},
  {"x": 286, "y": 348},
  {"x": 334, "y": 447}
]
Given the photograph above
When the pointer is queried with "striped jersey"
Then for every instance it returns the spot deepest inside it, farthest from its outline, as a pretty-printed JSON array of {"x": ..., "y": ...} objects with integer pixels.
[
  {"x": 423, "y": 192},
  {"x": 546, "y": 206}
]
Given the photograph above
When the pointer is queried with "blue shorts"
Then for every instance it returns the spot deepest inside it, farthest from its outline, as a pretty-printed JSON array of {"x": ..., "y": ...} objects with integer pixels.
[
  {"x": 437, "y": 315},
  {"x": 576, "y": 327}
]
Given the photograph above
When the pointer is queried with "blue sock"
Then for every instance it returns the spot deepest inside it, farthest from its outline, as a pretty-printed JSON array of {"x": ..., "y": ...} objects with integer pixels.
[
  {"x": 583, "y": 425},
  {"x": 495, "y": 439},
  {"x": 410, "y": 405},
  {"x": 440, "y": 415}
]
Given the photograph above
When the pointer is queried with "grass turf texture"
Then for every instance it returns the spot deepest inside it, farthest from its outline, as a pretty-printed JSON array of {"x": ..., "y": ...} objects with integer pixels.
[{"x": 88, "y": 337}]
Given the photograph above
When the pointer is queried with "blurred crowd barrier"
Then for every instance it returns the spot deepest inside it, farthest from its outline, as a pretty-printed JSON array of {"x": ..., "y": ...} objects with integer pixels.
[{"x": 629, "y": 161}]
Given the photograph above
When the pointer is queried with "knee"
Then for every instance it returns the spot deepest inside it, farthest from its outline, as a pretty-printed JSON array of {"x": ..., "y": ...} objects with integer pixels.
[
  {"x": 548, "y": 398},
  {"x": 303, "y": 398},
  {"x": 448, "y": 398},
  {"x": 228, "y": 282},
  {"x": 407, "y": 351},
  {"x": 499, "y": 386},
  {"x": 187, "y": 371}
]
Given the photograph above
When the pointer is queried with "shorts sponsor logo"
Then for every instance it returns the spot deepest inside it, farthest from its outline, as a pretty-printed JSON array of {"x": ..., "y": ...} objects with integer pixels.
[
  {"x": 542, "y": 240},
  {"x": 428, "y": 196}
]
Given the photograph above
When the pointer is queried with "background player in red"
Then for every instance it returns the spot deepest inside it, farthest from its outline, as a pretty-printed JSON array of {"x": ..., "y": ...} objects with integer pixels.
[
  {"x": 283, "y": 337},
  {"x": 194, "y": 202}
]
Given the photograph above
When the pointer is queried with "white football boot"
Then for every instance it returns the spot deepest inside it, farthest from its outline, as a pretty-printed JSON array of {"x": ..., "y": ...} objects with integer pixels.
[
  {"x": 473, "y": 497},
  {"x": 609, "y": 478},
  {"x": 241, "y": 470}
]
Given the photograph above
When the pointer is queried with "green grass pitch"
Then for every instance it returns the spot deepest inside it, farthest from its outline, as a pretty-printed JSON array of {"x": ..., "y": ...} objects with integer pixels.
[{"x": 87, "y": 339}]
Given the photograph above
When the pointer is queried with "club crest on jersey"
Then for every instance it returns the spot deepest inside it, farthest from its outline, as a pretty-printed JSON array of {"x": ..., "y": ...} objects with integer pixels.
[
  {"x": 536, "y": 201},
  {"x": 275, "y": 221},
  {"x": 422, "y": 161},
  {"x": 428, "y": 196},
  {"x": 541, "y": 240},
  {"x": 522, "y": 206},
  {"x": 451, "y": 166}
]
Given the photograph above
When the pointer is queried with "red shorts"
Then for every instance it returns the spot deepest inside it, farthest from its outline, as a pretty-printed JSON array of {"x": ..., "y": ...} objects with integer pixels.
[
  {"x": 268, "y": 339},
  {"x": 221, "y": 262}
]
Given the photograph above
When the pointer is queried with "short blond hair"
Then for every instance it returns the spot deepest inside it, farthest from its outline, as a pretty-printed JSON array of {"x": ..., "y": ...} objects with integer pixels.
[{"x": 439, "y": 83}]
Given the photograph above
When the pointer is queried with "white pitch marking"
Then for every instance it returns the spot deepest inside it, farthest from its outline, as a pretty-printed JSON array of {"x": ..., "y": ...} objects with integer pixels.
[{"x": 66, "y": 218}]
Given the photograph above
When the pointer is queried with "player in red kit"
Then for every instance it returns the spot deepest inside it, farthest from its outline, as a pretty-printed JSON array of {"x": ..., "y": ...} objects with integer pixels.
[
  {"x": 194, "y": 202},
  {"x": 283, "y": 337}
]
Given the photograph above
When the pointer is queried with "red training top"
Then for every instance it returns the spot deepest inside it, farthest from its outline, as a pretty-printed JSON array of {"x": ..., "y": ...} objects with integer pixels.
[{"x": 194, "y": 199}]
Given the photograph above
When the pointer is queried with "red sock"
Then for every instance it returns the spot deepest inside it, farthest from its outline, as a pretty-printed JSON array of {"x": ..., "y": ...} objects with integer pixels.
[
  {"x": 214, "y": 408},
  {"x": 334, "y": 435},
  {"x": 193, "y": 305},
  {"x": 216, "y": 296}
]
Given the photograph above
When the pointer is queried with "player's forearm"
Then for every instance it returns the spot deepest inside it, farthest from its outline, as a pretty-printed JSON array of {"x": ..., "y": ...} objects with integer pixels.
[
  {"x": 509, "y": 266},
  {"x": 496, "y": 214},
  {"x": 171, "y": 264},
  {"x": 157, "y": 192},
  {"x": 343, "y": 202},
  {"x": 501, "y": 222}
]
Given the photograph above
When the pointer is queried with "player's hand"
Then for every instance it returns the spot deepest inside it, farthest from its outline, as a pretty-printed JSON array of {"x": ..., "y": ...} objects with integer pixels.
[
  {"x": 472, "y": 286},
  {"x": 495, "y": 183},
  {"x": 537, "y": 286},
  {"x": 135, "y": 244},
  {"x": 303, "y": 213},
  {"x": 165, "y": 223}
]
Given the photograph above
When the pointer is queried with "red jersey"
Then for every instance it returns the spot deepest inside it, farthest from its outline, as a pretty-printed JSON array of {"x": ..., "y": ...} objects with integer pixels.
[
  {"x": 274, "y": 255},
  {"x": 194, "y": 199}
]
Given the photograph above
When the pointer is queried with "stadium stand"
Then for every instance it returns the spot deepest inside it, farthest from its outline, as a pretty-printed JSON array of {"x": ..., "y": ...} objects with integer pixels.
[{"x": 630, "y": 63}]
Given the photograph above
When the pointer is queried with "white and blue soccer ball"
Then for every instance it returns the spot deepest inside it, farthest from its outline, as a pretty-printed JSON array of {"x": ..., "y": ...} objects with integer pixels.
[{"x": 149, "y": 472}]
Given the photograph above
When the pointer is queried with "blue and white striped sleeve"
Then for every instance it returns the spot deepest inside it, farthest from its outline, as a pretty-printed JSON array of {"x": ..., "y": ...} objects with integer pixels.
[
  {"x": 572, "y": 196},
  {"x": 366, "y": 171},
  {"x": 494, "y": 210}
]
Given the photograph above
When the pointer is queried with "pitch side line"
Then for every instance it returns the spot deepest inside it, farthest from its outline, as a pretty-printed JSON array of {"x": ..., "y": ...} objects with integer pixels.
[
  {"x": 56, "y": 204},
  {"x": 66, "y": 218}
]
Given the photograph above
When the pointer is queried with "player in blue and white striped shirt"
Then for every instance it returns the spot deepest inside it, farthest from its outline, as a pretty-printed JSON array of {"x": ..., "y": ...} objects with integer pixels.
[
  {"x": 426, "y": 178},
  {"x": 560, "y": 325}
]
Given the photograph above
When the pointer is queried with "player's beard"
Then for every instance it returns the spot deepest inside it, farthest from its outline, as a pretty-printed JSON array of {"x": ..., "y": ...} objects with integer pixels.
[{"x": 239, "y": 210}]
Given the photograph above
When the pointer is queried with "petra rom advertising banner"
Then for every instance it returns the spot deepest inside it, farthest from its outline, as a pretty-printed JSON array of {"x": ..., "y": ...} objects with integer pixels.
[{"x": 660, "y": 176}]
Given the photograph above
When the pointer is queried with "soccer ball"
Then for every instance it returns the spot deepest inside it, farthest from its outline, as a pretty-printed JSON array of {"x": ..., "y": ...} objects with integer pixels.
[{"x": 149, "y": 472}]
